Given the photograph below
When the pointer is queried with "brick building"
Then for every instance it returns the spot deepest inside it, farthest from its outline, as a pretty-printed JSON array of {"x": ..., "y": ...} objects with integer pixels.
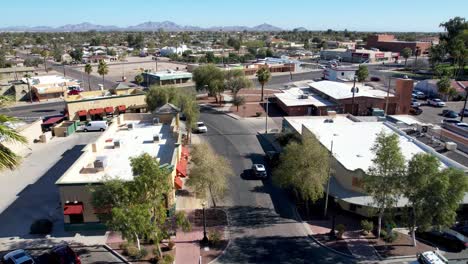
[{"x": 390, "y": 43}]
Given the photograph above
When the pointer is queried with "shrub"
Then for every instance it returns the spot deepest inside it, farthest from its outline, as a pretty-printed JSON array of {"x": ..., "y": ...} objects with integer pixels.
[
  {"x": 171, "y": 244},
  {"x": 132, "y": 251},
  {"x": 41, "y": 227},
  {"x": 391, "y": 237},
  {"x": 143, "y": 252},
  {"x": 123, "y": 246},
  {"x": 367, "y": 226},
  {"x": 340, "y": 228},
  {"x": 214, "y": 236},
  {"x": 383, "y": 233},
  {"x": 257, "y": 114},
  {"x": 167, "y": 259}
]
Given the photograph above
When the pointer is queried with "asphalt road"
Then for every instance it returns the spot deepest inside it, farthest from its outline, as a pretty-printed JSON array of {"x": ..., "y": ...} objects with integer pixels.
[
  {"x": 264, "y": 226},
  {"x": 35, "y": 110}
]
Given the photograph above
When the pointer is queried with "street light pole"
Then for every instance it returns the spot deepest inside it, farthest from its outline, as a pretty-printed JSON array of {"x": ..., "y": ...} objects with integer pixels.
[
  {"x": 328, "y": 182},
  {"x": 205, "y": 238},
  {"x": 266, "y": 116},
  {"x": 353, "y": 90}
]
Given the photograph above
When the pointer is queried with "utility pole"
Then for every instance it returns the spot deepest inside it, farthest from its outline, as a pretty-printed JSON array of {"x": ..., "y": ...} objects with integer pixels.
[
  {"x": 462, "y": 114},
  {"x": 353, "y": 90},
  {"x": 388, "y": 94},
  {"x": 266, "y": 116}
]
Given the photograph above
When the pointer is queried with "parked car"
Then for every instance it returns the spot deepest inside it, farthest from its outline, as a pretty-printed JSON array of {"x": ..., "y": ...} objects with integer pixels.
[
  {"x": 73, "y": 92},
  {"x": 420, "y": 95},
  {"x": 449, "y": 113},
  {"x": 435, "y": 102},
  {"x": 375, "y": 79},
  {"x": 60, "y": 254},
  {"x": 415, "y": 103},
  {"x": 464, "y": 112},
  {"x": 201, "y": 128},
  {"x": 415, "y": 111},
  {"x": 18, "y": 256},
  {"x": 464, "y": 125},
  {"x": 259, "y": 170},
  {"x": 448, "y": 239},
  {"x": 431, "y": 257},
  {"x": 451, "y": 121},
  {"x": 94, "y": 126},
  {"x": 462, "y": 229}
]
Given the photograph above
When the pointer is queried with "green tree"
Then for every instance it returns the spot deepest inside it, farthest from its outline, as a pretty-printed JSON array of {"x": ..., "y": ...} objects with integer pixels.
[
  {"x": 3, "y": 62},
  {"x": 77, "y": 54},
  {"x": 88, "y": 69},
  {"x": 103, "y": 69},
  {"x": 209, "y": 174},
  {"x": 8, "y": 159},
  {"x": 191, "y": 111},
  {"x": 238, "y": 101},
  {"x": 138, "y": 207},
  {"x": 210, "y": 78},
  {"x": 437, "y": 54},
  {"x": 57, "y": 53},
  {"x": 263, "y": 76},
  {"x": 444, "y": 86},
  {"x": 139, "y": 79},
  {"x": 406, "y": 53},
  {"x": 45, "y": 54},
  {"x": 362, "y": 73},
  {"x": 236, "y": 80},
  {"x": 303, "y": 168},
  {"x": 383, "y": 180}
]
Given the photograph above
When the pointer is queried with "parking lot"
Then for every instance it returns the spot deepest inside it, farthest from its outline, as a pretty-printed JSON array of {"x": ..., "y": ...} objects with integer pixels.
[{"x": 433, "y": 114}]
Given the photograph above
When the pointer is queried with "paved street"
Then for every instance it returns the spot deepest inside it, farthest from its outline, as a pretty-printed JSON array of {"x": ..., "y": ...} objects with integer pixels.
[
  {"x": 35, "y": 109},
  {"x": 264, "y": 226}
]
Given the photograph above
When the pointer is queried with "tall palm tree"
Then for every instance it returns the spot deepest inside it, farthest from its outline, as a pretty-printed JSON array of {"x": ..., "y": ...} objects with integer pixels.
[
  {"x": 263, "y": 76},
  {"x": 88, "y": 69},
  {"x": 103, "y": 69},
  {"x": 8, "y": 159}
]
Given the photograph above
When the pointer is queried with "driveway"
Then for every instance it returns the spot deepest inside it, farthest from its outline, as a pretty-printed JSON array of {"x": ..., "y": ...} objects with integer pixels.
[
  {"x": 264, "y": 225},
  {"x": 29, "y": 192},
  {"x": 433, "y": 115}
]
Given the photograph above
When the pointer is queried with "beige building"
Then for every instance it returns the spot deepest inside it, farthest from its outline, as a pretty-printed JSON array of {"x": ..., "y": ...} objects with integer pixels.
[
  {"x": 95, "y": 105},
  {"x": 32, "y": 131},
  {"x": 350, "y": 143},
  {"x": 49, "y": 86},
  {"x": 129, "y": 135}
]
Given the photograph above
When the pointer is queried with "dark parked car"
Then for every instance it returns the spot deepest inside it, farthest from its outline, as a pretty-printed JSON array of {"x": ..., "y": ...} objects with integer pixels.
[
  {"x": 462, "y": 229},
  {"x": 464, "y": 112},
  {"x": 451, "y": 121},
  {"x": 448, "y": 239},
  {"x": 415, "y": 111},
  {"x": 449, "y": 113},
  {"x": 61, "y": 254}
]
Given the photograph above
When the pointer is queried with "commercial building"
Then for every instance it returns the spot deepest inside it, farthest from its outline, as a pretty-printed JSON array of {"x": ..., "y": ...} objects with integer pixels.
[
  {"x": 316, "y": 98},
  {"x": 359, "y": 55},
  {"x": 129, "y": 135},
  {"x": 166, "y": 51},
  {"x": 49, "y": 86},
  {"x": 166, "y": 77},
  {"x": 390, "y": 43},
  {"x": 339, "y": 73},
  {"x": 430, "y": 88},
  {"x": 96, "y": 105},
  {"x": 352, "y": 154}
]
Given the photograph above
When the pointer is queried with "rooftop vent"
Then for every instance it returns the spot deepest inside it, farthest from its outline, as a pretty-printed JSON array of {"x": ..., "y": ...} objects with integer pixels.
[{"x": 100, "y": 163}]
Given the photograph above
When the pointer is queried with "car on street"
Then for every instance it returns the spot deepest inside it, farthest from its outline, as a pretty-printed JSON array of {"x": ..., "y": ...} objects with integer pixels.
[
  {"x": 447, "y": 239},
  {"x": 462, "y": 229},
  {"x": 463, "y": 125},
  {"x": 94, "y": 126},
  {"x": 415, "y": 103},
  {"x": 464, "y": 112},
  {"x": 449, "y": 113},
  {"x": 60, "y": 254},
  {"x": 435, "y": 102},
  {"x": 18, "y": 256},
  {"x": 259, "y": 170},
  {"x": 201, "y": 127},
  {"x": 419, "y": 95},
  {"x": 431, "y": 257}
]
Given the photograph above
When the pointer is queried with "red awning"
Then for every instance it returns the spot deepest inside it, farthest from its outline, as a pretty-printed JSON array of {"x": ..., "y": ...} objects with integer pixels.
[
  {"x": 181, "y": 168},
  {"x": 53, "y": 120},
  {"x": 82, "y": 113},
  {"x": 122, "y": 108},
  {"x": 73, "y": 209},
  {"x": 109, "y": 110},
  {"x": 178, "y": 183},
  {"x": 96, "y": 111}
]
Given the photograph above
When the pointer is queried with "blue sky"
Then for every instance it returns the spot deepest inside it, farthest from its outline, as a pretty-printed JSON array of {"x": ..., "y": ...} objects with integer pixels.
[{"x": 362, "y": 15}]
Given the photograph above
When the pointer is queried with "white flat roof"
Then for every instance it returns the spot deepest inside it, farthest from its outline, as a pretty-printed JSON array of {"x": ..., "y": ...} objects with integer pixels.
[
  {"x": 339, "y": 90},
  {"x": 352, "y": 141},
  {"x": 290, "y": 97},
  {"x": 134, "y": 142}
]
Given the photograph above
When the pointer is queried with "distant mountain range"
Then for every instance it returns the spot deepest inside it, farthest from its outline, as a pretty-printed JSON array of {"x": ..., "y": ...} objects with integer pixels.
[{"x": 146, "y": 26}]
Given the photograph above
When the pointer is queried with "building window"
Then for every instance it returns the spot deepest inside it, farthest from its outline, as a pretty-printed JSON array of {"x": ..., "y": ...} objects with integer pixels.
[{"x": 342, "y": 73}]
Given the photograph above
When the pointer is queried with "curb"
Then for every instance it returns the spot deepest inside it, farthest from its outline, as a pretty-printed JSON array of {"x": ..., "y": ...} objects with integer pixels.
[{"x": 117, "y": 255}]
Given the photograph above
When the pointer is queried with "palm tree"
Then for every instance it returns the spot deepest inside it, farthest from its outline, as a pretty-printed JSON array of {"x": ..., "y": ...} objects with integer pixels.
[
  {"x": 45, "y": 54},
  {"x": 263, "y": 76},
  {"x": 103, "y": 69},
  {"x": 8, "y": 159},
  {"x": 28, "y": 76},
  {"x": 88, "y": 69}
]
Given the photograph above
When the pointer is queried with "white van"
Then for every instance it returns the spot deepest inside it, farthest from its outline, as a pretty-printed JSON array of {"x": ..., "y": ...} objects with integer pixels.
[{"x": 94, "y": 126}]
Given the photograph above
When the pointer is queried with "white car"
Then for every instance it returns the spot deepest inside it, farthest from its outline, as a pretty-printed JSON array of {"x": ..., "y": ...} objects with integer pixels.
[
  {"x": 436, "y": 102},
  {"x": 420, "y": 95},
  {"x": 18, "y": 256},
  {"x": 259, "y": 170},
  {"x": 415, "y": 103},
  {"x": 201, "y": 127}
]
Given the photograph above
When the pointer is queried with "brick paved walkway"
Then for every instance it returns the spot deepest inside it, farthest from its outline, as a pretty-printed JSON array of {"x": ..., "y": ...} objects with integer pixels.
[{"x": 187, "y": 247}]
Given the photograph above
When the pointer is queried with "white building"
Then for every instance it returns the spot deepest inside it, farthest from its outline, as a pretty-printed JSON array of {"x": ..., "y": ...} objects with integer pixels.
[
  {"x": 339, "y": 74},
  {"x": 166, "y": 51}
]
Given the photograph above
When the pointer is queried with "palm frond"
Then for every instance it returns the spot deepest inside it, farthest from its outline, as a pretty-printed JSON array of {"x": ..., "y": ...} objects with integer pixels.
[{"x": 8, "y": 159}]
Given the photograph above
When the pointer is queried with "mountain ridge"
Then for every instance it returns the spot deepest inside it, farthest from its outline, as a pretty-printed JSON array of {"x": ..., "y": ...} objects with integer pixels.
[{"x": 144, "y": 26}]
